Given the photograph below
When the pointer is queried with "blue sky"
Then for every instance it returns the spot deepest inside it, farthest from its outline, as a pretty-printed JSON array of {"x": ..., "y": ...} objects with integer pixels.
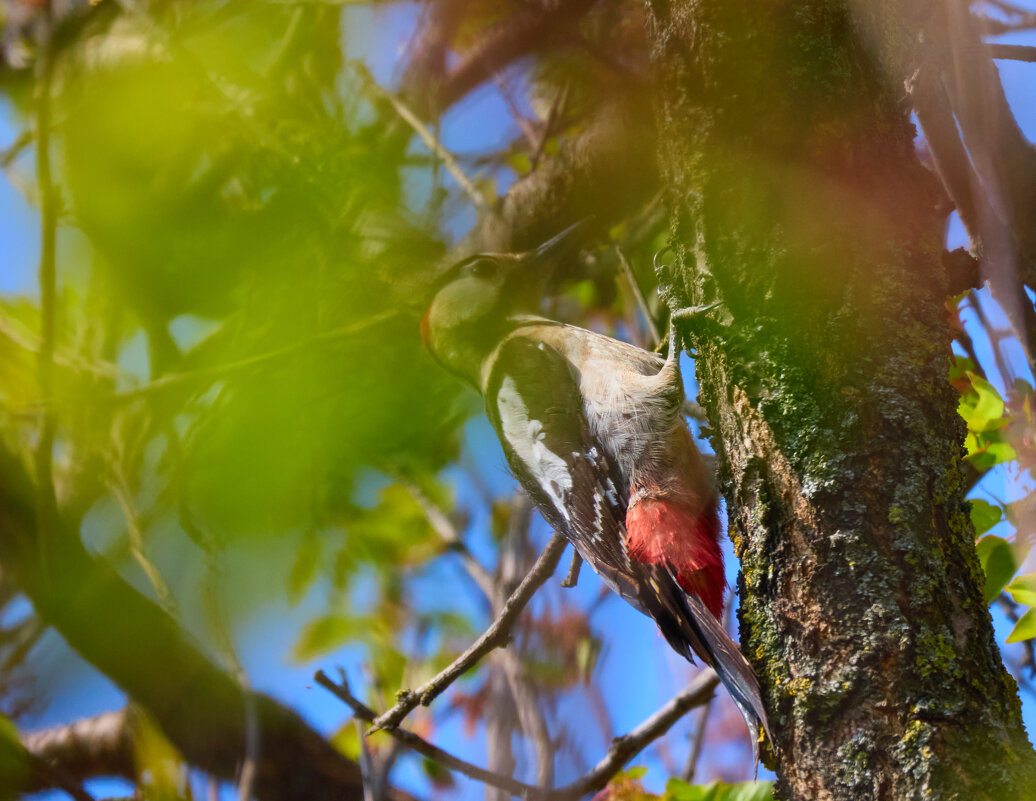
[{"x": 639, "y": 674}]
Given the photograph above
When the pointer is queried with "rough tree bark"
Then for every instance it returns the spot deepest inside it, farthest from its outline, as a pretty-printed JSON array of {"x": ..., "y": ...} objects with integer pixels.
[{"x": 800, "y": 205}]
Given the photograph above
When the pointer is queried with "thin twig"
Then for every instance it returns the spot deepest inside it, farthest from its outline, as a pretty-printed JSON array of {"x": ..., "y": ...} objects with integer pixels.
[
  {"x": 495, "y": 636},
  {"x": 530, "y": 717},
  {"x": 995, "y": 27},
  {"x": 442, "y": 525},
  {"x": 527, "y": 130},
  {"x": 1013, "y": 52},
  {"x": 548, "y": 127},
  {"x": 1006, "y": 374},
  {"x": 172, "y": 380},
  {"x": 13, "y": 150},
  {"x": 626, "y": 747},
  {"x": 622, "y": 749},
  {"x": 135, "y": 534},
  {"x": 532, "y": 722},
  {"x": 639, "y": 295},
  {"x": 573, "y": 570},
  {"x": 1011, "y": 9},
  {"x": 20, "y": 336},
  {"x": 433, "y": 144},
  {"x": 422, "y": 746}
]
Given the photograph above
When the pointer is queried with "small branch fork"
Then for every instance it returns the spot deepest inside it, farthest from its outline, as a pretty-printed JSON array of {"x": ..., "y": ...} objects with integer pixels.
[
  {"x": 622, "y": 749},
  {"x": 495, "y": 636}
]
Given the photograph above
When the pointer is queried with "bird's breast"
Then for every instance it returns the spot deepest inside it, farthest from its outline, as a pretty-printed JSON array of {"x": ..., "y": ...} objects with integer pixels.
[{"x": 625, "y": 412}]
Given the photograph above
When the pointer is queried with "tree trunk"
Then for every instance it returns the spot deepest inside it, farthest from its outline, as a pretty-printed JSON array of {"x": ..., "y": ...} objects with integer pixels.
[{"x": 799, "y": 204}]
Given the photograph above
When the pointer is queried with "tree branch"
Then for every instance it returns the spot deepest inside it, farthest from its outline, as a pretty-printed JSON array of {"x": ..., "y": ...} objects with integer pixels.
[
  {"x": 495, "y": 636},
  {"x": 88, "y": 748},
  {"x": 1011, "y": 52},
  {"x": 622, "y": 750},
  {"x": 431, "y": 142},
  {"x": 140, "y": 648},
  {"x": 573, "y": 570},
  {"x": 522, "y": 35},
  {"x": 606, "y": 172},
  {"x": 629, "y": 745},
  {"x": 438, "y": 520}
]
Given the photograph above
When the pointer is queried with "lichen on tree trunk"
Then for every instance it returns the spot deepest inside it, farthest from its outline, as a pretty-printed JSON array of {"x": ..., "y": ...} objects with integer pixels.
[{"x": 799, "y": 204}]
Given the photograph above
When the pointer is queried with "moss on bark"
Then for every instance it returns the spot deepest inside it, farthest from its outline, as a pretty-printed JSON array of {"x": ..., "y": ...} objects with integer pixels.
[{"x": 800, "y": 205}]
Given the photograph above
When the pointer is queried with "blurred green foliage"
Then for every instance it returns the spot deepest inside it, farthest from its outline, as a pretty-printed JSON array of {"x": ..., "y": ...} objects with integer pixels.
[
  {"x": 999, "y": 432},
  {"x": 238, "y": 328},
  {"x": 627, "y": 787}
]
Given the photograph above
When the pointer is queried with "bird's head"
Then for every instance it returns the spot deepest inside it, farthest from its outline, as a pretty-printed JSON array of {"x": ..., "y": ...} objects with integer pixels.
[{"x": 476, "y": 299}]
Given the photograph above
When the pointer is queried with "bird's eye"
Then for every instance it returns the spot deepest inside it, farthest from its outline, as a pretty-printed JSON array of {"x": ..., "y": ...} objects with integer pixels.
[{"x": 481, "y": 268}]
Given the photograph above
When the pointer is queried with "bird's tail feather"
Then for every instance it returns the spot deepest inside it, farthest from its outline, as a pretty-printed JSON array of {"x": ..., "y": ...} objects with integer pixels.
[
  {"x": 733, "y": 669},
  {"x": 690, "y": 628}
]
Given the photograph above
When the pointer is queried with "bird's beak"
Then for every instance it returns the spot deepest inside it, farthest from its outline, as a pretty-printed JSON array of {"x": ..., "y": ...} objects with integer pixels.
[{"x": 562, "y": 246}]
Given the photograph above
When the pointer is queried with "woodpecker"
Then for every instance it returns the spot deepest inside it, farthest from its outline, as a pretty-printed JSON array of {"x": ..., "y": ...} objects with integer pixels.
[{"x": 593, "y": 430}]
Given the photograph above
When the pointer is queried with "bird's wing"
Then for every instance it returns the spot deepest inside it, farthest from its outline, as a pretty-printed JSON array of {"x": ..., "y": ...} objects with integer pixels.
[{"x": 534, "y": 402}]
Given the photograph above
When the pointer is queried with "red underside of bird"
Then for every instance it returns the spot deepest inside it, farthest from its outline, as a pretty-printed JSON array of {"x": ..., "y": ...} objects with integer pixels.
[{"x": 684, "y": 537}]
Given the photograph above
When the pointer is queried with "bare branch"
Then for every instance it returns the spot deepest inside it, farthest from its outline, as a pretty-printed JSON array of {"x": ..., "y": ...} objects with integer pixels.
[
  {"x": 528, "y": 131},
  {"x": 606, "y": 172},
  {"x": 431, "y": 142},
  {"x": 537, "y": 31},
  {"x": 701, "y": 729},
  {"x": 135, "y": 534},
  {"x": 496, "y": 636},
  {"x": 573, "y": 570},
  {"x": 556, "y": 109},
  {"x": 697, "y": 743},
  {"x": 422, "y": 746},
  {"x": 87, "y": 748},
  {"x": 174, "y": 380},
  {"x": 629, "y": 745},
  {"x": 949, "y": 157},
  {"x": 532, "y": 722},
  {"x": 197, "y": 706},
  {"x": 12, "y": 151},
  {"x": 1013, "y": 52},
  {"x": 988, "y": 26},
  {"x": 622, "y": 750},
  {"x": 638, "y": 294},
  {"x": 451, "y": 538}
]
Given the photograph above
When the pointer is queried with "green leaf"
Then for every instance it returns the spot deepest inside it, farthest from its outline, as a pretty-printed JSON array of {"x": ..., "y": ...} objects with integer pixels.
[
  {"x": 679, "y": 790},
  {"x": 439, "y": 775},
  {"x": 1025, "y": 628},
  {"x": 304, "y": 570},
  {"x": 347, "y": 740},
  {"x": 984, "y": 515},
  {"x": 982, "y": 408},
  {"x": 1023, "y": 589},
  {"x": 333, "y": 631},
  {"x": 389, "y": 665},
  {"x": 997, "y": 560},
  {"x": 748, "y": 791},
  {"x": 960, "y": 366},
  {"x": 520, "y": 163}
]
